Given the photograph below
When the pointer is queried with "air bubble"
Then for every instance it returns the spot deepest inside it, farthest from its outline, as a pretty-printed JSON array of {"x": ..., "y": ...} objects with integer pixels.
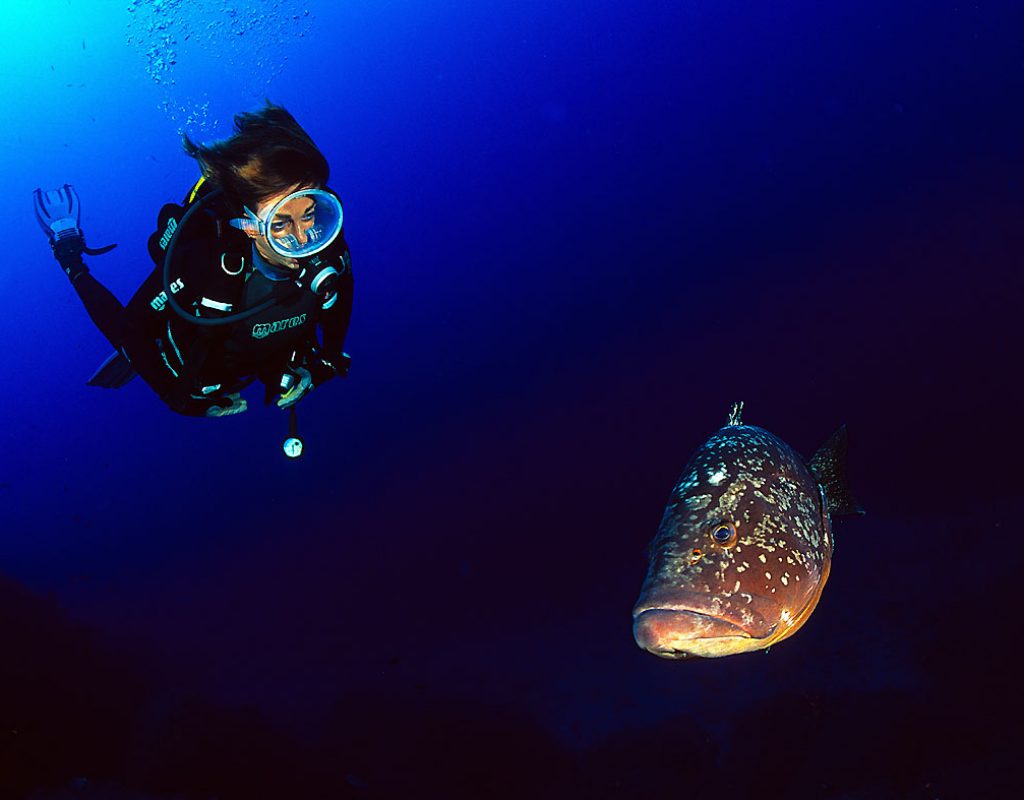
[{"x": 237, "y": 36}]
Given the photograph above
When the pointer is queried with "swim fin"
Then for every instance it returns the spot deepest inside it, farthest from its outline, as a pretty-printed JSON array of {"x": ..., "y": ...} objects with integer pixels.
[
  {"x": 113, "y": 373},
  {"x": 59, "y": 215}
]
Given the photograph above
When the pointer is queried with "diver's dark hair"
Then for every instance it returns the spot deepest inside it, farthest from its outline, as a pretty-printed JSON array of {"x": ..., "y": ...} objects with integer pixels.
[{"x": 269, "y": 153}]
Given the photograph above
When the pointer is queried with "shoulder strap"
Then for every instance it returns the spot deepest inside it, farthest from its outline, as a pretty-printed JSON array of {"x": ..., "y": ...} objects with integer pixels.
[{"x": 200, "y": 188}]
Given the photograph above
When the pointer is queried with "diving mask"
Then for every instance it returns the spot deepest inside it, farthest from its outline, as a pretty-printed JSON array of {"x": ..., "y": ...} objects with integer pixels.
[{"x": 303, "y": 223}]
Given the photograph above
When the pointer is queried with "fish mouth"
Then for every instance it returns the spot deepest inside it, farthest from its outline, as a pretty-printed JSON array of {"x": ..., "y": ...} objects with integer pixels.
[{"x": 692, "y": 627}]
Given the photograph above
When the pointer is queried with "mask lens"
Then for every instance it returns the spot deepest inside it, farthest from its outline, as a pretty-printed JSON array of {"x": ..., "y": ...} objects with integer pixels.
[{"x": 304, "y": 223}]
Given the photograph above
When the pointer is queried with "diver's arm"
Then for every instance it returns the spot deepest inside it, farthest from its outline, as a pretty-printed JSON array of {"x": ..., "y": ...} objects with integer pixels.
[{"x": 334, "y": 322}]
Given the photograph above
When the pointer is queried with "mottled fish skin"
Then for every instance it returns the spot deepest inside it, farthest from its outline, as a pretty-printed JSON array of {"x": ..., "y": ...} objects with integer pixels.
[{"x": 709, "y": 599}]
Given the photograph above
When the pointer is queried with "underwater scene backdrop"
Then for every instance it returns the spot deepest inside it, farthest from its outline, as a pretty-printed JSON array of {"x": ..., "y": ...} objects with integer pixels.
[{"x": 580, "y": 232}]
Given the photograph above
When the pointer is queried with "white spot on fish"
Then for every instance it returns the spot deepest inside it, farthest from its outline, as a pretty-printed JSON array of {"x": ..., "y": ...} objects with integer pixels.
[
  {"x": 717, "y": 477},
  {"x": 768, "y": 575},
  {"x": 698, "y": 501},
  {"x": 763, "y": 559},
  {"x": 688, "y": 483},
  {"x": 785, "y": 582}
]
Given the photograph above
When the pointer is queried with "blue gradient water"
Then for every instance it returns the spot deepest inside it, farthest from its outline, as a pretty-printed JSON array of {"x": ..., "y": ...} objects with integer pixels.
[{"x": 580, "y": 231}]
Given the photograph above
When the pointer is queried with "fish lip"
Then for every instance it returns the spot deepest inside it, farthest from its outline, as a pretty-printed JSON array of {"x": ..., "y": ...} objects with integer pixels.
[
  {"x": 639, "y": 611},
  {"x": 700, "y": 605},
  {"x": 683, "y": 633},
  {"x": 677, "y": 631}
]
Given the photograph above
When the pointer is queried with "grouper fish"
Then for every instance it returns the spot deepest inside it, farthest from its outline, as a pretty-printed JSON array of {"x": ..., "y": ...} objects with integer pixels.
[{"x": 745, "y": 546}]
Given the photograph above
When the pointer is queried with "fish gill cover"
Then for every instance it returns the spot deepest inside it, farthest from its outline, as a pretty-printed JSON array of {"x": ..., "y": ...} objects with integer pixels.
[{"x": 247, "y": 42}]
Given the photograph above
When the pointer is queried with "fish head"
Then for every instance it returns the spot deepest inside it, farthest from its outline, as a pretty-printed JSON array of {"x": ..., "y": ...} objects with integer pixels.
[{"x": 742, "y": 552}]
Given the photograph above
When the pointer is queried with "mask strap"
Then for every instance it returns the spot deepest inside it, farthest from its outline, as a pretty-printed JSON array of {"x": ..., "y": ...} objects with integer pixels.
[{"x": 251, "y": 223}]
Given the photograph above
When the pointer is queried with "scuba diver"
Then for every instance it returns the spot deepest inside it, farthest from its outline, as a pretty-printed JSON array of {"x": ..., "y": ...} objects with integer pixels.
[{"x": 247, "y": 268}]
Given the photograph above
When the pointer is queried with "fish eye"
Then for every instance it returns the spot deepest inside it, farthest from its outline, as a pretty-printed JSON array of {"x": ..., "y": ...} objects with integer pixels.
[{"x": 724, "y": 534}]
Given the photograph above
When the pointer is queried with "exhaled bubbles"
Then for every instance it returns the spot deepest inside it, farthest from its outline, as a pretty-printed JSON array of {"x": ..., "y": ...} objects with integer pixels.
[{"x": 248, "y": 41}]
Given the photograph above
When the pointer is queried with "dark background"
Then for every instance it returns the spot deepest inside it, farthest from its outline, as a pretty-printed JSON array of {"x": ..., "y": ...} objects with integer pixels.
[{"x": 579, "y": 235}]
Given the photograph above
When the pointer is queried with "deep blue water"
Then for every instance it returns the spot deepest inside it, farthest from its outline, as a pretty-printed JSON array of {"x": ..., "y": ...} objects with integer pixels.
[{"x": 580, "y": 231}]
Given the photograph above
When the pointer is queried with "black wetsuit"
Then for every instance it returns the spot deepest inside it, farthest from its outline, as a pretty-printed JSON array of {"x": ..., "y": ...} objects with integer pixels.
[{"x": 193, "y": 367}]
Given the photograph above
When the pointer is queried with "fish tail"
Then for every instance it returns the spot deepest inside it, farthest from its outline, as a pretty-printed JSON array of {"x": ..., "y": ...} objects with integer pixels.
[{"x": 829, "y": 468}]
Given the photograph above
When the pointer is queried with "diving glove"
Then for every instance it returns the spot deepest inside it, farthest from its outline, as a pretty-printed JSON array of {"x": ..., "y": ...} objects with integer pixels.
[
  {"x": 299, "y": 386},
  {"x": 237, "y": 406},
  {"x": 59, "y": 215}
]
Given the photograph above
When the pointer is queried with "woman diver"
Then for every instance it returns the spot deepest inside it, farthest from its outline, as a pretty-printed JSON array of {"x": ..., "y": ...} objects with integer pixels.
[{"x": 246, "y": 270}]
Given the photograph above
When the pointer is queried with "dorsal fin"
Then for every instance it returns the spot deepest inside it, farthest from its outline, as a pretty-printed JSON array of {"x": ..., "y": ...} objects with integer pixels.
[{"x": 829, "y": 468}]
